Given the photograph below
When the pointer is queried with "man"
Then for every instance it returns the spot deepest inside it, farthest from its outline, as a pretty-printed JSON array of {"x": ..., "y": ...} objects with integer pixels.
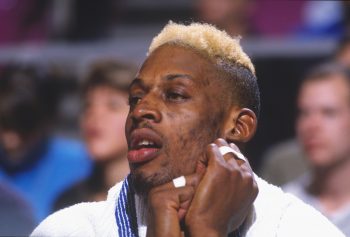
[
  {"x": 196, "y": 85},
  {"x": 285, "y": 161},
  {"x": 323, "y": 128}
]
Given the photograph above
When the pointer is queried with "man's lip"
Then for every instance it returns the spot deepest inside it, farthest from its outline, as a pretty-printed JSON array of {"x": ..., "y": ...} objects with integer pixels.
[
  {"x": 143, "y": 154},
  {"x": 140, "y": 134},
  {"x": 92, "y": 132},
  {"x": 311, "y": 145}
]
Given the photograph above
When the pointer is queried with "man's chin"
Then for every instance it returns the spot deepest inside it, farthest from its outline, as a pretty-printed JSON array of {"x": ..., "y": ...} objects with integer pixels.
[{"x": 142, "y": 183}]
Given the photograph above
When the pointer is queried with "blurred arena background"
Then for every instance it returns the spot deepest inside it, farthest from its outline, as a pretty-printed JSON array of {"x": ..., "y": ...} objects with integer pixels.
[{"x": 61, "y": 37}]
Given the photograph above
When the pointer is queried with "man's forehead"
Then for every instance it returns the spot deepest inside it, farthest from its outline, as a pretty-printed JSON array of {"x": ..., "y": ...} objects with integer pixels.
[
  {"x": 331, "y": 83},
  {"x": 185, "y": 79},
  {"x": 174, "y": 61},
  {"x": 176, "y": 53},
  {"x": 325, "y": 92}
]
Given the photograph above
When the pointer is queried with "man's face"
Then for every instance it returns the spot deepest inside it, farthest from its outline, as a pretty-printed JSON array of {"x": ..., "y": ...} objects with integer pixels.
[
  {"x": 175, "y": 111},
  {"x": 323, "y": 125}
]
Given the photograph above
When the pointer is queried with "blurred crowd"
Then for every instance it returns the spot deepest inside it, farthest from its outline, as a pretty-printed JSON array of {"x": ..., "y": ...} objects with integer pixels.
[
  {"x": 62, "y": 127},
  {"x": 42, "y": 21}
]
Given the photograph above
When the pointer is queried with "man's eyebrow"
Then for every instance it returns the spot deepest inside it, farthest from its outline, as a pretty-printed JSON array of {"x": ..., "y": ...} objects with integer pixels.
[
  {"x": 136, "y": 81},
  {"x": 175, "y": 76}
]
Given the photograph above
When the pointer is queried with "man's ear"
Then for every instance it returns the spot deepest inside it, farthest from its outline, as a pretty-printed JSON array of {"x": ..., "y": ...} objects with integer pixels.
[{"x": 240, "y": 125}]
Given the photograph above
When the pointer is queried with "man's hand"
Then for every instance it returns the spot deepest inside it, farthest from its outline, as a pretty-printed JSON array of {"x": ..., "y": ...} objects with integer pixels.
[
  {"x": 224, "y": 196},
  {"x": 215, "y": 200},
  {"x": 168, "y": 206}
]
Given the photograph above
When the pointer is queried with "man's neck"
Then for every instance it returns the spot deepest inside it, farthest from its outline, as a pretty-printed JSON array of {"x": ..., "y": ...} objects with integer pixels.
[{"x": 331, "y": 186}]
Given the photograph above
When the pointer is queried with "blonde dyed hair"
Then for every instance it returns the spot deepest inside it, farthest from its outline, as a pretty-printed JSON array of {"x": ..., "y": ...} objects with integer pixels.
[{"x": 216, "y": 44}]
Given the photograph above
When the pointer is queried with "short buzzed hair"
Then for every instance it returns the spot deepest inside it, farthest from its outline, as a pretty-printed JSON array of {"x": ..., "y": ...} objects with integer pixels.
[
  {"x": 326, "y": 70},
  {"x": 233, "y": 64},
  {"x": 205, "y": 38},
  {"x": 110, "y": 73}
]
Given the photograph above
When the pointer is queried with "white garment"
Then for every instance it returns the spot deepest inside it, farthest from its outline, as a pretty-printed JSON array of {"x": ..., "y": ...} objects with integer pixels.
[
  {"x": 276, "y": 214},
  {"x": 298, "y": 187}
]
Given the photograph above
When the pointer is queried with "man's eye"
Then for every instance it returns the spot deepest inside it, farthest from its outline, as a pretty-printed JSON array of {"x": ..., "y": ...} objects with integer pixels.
[
  {"x": 115, "y": 104},
  {"x": 134, "y": 100},
  {"x": 175, "y": 96},
  {"x": 86, "y": 105},
  {"x": 330, "y": 112}
]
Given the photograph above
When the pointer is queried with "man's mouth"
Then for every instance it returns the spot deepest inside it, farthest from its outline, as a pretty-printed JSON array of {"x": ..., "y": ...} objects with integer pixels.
[{"x": 144, "y": 145}]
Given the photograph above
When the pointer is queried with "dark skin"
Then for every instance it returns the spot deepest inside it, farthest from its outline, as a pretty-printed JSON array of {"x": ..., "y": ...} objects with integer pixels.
[{"x": 179, "y": 101}]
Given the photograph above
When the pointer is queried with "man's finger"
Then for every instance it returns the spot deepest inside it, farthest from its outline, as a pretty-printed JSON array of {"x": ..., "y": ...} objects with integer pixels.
[
  {"x": 214, "y": 155},
  {"x": 225, "y": 149},
  {"x": 235, "y": 147},
  {"x": 190, "y": 180},
  {"x": 230, "y": 151},
  {"x": 185, "y": 195}
]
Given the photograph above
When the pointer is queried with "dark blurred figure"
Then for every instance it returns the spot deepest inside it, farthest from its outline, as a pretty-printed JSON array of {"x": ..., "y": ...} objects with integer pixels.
[
  {"x": 323, "y": 130},
  {"x": 105, "y": 108},
  {"x": 233, "y": 16},
  {"x": 342, "y": 54},
  {"x": 90, "y": 19},
  {"x": 22, "y": 21},
  {"x": 34, "y": 161},
  {"x": 346, "y": 9},
  {"x": 283, "y": 162},
  {"x": 16, "y": 218},
  {"x": 43, "y": 20}
]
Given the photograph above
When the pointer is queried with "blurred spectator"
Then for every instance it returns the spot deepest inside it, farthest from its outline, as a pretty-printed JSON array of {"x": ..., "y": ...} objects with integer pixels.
[
  {"x": 277, "y": 18},
  {"x": 283, "y": 162},
  {"x": 303, "y": 18},
  {"x": 37, "y": 163},
  {"x": 42, "y": 20},
  {"x": 322, "y": 19},
  {"x": 342, "y": 54},
  {"x": 323, "y": 129},
  {"x": 16, "y": 218},
  {"x": 82, "y": 20},
  {"x": 233, "y": 16},
  {"x": 274, "y": 18},
  {"x": 105, "y": 99}
]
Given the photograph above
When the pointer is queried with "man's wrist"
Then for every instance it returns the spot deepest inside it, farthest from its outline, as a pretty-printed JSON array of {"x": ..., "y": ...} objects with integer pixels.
[{"x": 203, "y": 230}]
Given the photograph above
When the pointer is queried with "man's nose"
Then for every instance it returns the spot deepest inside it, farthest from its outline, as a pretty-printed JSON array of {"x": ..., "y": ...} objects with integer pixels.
[
  {"x": 146, "y": 110},
  {"x": 311, "y": 124},
  {"x": 95, "y": 111}
]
